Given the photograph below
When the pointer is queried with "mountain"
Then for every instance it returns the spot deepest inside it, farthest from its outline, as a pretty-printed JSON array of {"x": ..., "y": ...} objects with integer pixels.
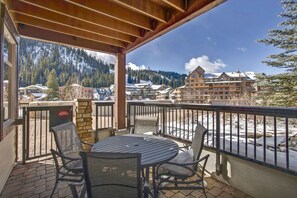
[{"x": 72, "y": 65}]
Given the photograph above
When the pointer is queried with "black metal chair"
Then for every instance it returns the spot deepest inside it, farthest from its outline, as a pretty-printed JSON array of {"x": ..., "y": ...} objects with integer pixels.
[
  {"x": 63, "y": 173},
  {"x": 101, "y": 134},
  {"x": 111, "y": 175},
  {"x": 69, "y": 146},
  {"x": 183, "y": 172},
  {"x": 147, "y": 125}
]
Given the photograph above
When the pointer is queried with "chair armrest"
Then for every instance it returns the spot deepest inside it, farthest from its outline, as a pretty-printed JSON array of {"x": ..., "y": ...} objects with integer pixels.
[
  {"x": 184, "y": 147},
  {"x": 63, "y": 156},
  {"x": 85, "y": 143}
]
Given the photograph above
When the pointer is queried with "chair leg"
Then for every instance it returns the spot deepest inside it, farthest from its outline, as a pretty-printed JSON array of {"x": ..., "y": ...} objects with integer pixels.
[
  {"x": 142, "y": 173},
  {"x": 55, "y": 186},
  {"x": 203, "y": 188}
]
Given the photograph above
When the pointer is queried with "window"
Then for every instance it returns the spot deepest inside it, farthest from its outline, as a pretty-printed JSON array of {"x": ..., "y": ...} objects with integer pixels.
[
  {"x": 8, "y": 77},
  {"x": 6, "y": 90}
]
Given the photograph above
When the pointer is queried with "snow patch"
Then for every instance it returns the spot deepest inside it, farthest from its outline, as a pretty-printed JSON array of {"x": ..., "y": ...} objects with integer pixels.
[{"x": 135, "y": 67}]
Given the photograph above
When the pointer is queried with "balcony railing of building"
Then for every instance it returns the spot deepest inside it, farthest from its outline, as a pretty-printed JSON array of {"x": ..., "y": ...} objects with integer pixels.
[{"x": 262, "y": 135}]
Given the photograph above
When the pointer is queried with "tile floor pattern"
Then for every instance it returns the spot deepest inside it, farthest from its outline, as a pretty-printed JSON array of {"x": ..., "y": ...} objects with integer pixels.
[{"x": 36, "y": 179}]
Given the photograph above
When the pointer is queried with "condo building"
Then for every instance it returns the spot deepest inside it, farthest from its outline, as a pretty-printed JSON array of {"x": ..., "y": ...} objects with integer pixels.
[{"x": 201, "y": 87}]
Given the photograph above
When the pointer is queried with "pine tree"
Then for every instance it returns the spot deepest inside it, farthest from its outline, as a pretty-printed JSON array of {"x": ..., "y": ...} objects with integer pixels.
[
  {"x": 281, "y": 89},
  {"x": 53, "y": 86}
]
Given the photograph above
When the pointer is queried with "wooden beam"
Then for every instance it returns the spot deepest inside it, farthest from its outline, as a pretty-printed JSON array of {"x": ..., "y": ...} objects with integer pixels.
[
  {"x": 115, "y": 11},
  {"x": 176, "y": 4},
  {"x": 120, "y": 91},
  {"x": 39, "y": 23},
  {"x": 62, "y": 39},
  {"x": 2, "y": 21},
  {"x": 195, "y": 9},
  {"x": 145, "y": 7},
  {"x": 47, "y": 15},
  {"x": 74, "y": 11}
]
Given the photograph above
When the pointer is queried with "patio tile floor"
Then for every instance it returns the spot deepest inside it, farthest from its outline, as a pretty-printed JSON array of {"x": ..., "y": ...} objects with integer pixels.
[{"x": 36, "y": 179}]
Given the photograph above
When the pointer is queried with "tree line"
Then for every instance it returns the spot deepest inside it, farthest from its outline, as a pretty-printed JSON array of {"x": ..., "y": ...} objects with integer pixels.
[{"x": 71, "y": 65}]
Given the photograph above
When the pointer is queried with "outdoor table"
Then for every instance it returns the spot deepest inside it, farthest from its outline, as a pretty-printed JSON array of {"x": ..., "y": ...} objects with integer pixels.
[{"x": 154, "y": 150}]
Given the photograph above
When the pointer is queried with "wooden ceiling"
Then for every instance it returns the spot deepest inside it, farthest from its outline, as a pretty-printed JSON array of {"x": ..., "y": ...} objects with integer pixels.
[{"x": 110, "y": 26}]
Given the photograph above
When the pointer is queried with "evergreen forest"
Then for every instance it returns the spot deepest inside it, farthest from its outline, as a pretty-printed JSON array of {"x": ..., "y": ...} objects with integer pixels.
[{"x": 72, "y": 65}]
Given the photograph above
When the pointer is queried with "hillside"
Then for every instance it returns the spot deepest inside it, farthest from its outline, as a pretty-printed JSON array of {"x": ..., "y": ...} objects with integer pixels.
[{"x": 72, "y": 65}]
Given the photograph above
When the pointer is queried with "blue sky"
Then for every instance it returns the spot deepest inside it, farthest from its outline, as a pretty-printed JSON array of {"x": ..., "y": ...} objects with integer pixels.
[{"x": 223, "y": 39}]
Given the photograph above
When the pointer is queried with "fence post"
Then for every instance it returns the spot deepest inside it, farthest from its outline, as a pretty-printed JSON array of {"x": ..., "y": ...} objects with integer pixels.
[
  {"x": 24, "y": 134},
  {"x": 218, "y": 144},
  {"x": 128, "y": 114},
  {"x": 163, "y": 120}
]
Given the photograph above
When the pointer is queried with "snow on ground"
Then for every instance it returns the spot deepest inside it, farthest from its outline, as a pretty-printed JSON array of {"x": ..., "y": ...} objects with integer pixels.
[{"x": 235, "y": 137}]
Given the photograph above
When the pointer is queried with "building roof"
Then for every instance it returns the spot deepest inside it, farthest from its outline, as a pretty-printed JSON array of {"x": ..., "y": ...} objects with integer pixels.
[
  {"x": 156, "y": 87},
  {"x": 38, "y": 95},
  {"x": 107, "y": 26},
  {"x": 237, "y": 74},
  {"x": 37, "y": 86}
]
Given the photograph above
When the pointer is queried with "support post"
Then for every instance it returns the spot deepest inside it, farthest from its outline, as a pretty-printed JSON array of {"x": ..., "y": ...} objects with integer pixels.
[
  {"x": 2, "y": 14},
  {"x": 84, "y": 120},
  {"x": 120, "y": 91}
]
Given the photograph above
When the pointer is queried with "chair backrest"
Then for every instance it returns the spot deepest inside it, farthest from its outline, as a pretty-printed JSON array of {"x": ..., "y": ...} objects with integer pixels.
[
  {"x": 198, "y": 141},
  {"x": 112, "y": 174},
  {"x": 145, "y": 124},
  {"x": 67, "y": 140},
  {"x": 101, "y": 134}
]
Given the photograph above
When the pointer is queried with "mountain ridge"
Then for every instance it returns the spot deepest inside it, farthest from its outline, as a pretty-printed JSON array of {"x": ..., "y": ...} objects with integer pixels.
[{"x": 72, "y": 65}]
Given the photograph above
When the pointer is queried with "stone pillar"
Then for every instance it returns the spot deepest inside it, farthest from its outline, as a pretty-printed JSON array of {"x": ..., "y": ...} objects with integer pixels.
[{"x": 84, "y": 120}]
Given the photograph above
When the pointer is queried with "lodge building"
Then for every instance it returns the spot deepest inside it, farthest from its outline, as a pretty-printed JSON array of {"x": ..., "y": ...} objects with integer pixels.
[{"x": 201, "y": 87}]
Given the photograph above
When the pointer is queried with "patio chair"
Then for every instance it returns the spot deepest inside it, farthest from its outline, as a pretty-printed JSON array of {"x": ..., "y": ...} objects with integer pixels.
[
  {"x": 147, "y": 125},
  {"x": 182, "y": 172},
  {"x": 113, "y": 175},
  {"x": 101, "y": 134},
  {"x": 63, "y": 173},
  {"x": 69, "y": 145}
]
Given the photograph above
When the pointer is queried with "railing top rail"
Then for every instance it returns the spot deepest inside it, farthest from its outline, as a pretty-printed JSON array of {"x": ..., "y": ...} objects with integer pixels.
[
  {"x": 48, "y": 107},
  {"x": 254, "y": 110},
  {"x": 103, "y": 103}
]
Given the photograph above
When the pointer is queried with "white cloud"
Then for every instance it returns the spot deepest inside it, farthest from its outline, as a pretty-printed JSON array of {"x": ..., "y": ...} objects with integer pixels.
[
  {"x": 108, "y": 58},
  {"x": 205, "y": 63},
  {"x": 208, "y": 38},
  {"x": 135, "y": 67},
  {"x": 242, "y": 49}
]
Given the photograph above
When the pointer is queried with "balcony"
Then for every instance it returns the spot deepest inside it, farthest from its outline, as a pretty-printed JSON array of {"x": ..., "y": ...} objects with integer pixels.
[
  {"x": 252, "y": 149},
  {"x": 36, "y": 179},
  {"x": 253, "y": 155}
]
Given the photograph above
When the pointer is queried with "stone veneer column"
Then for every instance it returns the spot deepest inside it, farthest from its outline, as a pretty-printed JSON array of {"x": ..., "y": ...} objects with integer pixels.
[{"x": 84, "y": 120}]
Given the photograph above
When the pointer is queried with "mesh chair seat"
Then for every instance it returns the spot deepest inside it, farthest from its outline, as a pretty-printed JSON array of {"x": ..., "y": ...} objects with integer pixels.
[
  {"x": 74, "y": 165},
  {"x": 181, "y": 158}
]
